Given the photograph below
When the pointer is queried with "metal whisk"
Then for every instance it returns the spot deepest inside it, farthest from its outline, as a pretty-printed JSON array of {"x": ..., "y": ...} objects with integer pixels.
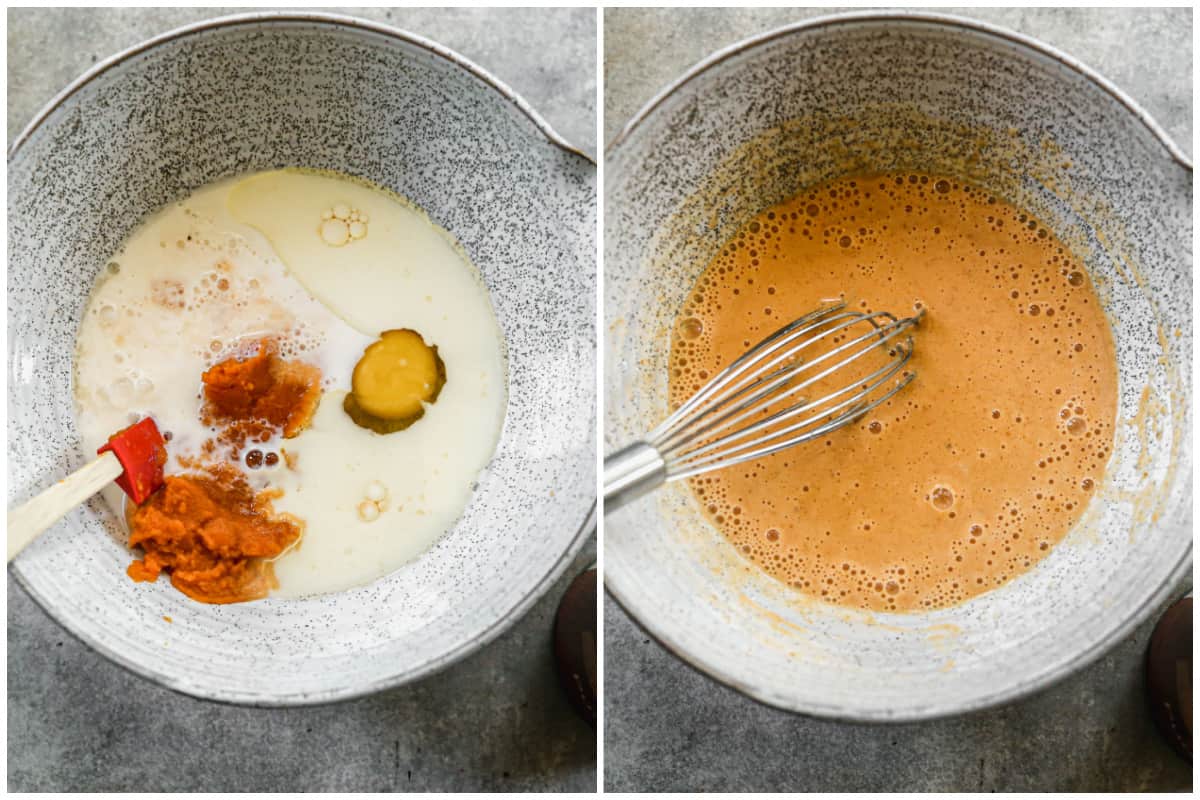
[{"x": 811, "y": 377}]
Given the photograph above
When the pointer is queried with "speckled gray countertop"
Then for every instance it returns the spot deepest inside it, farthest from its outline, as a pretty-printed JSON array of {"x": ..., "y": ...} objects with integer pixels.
[
  {"x": 497, "y": 721},
  {"x": 669, "y": 728}
]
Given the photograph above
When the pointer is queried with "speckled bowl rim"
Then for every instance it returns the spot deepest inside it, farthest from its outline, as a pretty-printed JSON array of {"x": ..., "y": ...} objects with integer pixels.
[
  {"x": 319, "y": 18},
  {"x": 1053, "y": 672},
  {"x": 947, "y": 20},
  {"x": 535, "y": 593}
]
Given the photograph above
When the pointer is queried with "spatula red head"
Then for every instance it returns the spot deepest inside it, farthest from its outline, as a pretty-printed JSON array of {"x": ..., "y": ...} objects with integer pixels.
[{"x": 142, "y": 452}]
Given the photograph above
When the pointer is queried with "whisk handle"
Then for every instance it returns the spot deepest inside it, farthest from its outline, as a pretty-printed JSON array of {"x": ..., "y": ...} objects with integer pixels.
[{"x": 631, "y": 472}]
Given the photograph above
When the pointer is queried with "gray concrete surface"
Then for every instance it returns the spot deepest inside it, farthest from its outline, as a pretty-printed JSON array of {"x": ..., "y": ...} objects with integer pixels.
[
  {"x": 669, "y": 728},
  {"x": 497, "y": 721}
]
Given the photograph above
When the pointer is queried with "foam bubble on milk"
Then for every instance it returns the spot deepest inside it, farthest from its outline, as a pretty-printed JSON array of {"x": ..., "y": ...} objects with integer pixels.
[{"x": 191, "y": 288}]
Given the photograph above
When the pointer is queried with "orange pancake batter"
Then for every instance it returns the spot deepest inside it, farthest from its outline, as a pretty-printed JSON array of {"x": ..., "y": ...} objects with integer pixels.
[{"x": 969, "y": 476}]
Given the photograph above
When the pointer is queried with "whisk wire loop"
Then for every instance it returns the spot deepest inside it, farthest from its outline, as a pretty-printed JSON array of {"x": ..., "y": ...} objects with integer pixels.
[
  {"x": 757, "y": 405},
  {"x": 804, "y": 381},
  {"x": 764, "y": 386},
  {"x": 698, "y": 463},
  {"x": 742, "y": 363}
]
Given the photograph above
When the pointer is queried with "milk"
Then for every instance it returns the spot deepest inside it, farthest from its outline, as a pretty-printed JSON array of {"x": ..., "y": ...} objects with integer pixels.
[{"x": 324, "y": 264}]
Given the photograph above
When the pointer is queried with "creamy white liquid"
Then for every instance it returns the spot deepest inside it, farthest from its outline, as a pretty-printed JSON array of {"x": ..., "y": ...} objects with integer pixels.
[{"x": 325, "y": 264}]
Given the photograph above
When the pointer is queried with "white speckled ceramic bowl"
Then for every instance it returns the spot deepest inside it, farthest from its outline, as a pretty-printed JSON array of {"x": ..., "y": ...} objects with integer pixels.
[
  {"x": 261, "y": 91},
  {"x": 752, "y": 126}
]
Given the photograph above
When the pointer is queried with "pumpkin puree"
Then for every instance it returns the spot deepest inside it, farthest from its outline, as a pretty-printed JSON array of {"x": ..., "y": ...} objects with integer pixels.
[
  {"x": 210, "y": 531},
  {"x": 212, "y": 536}
]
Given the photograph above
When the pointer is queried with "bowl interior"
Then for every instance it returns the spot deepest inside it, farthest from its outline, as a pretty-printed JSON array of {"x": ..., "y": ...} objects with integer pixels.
[
  {"x": 868, "y": 95},
  {"x": 240, "y": 97}
]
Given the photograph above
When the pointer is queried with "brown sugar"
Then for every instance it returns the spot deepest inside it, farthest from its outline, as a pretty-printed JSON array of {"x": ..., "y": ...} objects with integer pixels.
[
  {"x": 252, "y": 399},
  {"x": 263, "y": 388}
]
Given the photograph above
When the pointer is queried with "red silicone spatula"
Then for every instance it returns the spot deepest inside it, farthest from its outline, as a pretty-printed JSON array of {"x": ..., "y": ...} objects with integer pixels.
[{"x": 134, "y": 458}]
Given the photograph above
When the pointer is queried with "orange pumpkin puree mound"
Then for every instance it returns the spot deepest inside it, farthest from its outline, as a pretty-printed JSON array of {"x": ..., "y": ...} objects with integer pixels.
[
  {"x": 263, "y": 388},
  {"x": 212, "y": 535}
]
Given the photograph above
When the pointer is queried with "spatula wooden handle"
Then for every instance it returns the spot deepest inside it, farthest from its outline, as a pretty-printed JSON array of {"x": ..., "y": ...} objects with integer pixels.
[{"x": 27, "y": 521}]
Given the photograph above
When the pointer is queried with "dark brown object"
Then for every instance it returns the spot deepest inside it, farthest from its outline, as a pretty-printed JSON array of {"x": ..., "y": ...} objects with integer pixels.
[
  {"x": 1169, "y": 676},
  {"x": 575, "y": 644}
]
